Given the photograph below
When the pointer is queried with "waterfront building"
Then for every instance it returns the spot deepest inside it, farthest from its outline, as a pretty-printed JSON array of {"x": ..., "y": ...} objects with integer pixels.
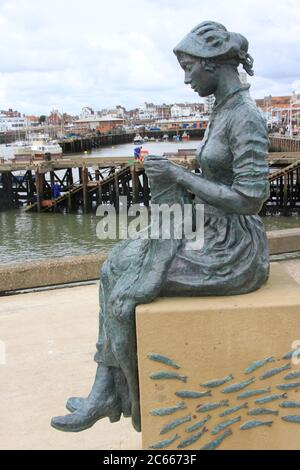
[
  {"x": 32, "y": 121},
  {"x": 86, "y": 112},
  {"x": 163, "y": 111},
  {"x": 55, "y": 118},
  {"x": 282, "y": 112},
  {"x": 209, "y": 102},
  {"x": 197, "y": 108},
  {"x": 10, "y": 113},
  {"x": 147, "y": 112},
  {"x": 117, "y": 112},
  {"x": 98, "y": 123},
  {"x": 182, "y": 123},
  {"x": 181, "y": 110},
  {"x": 186, "y": 109},
  {"x": 267, "y": 103},
  {"x": 10, "y": 124}
]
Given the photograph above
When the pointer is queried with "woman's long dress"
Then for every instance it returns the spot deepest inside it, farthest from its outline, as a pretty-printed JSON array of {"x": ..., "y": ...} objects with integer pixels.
[{"x": 233, "y": 260}]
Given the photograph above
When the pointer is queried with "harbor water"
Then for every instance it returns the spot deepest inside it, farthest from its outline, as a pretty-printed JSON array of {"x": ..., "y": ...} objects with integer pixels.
[{"x": 31, "y": 236}]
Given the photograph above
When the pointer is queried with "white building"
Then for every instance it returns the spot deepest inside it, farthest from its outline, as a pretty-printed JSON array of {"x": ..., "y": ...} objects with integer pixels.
[
  {"x": 147, "y": 112},
  {"x": 12, "y": 123},
  {"x": 117, "y": 112},
  {"x": 209, "y": 102},
  {"x": 86, "y": 113},
  {"x": 181, "y": 110}
]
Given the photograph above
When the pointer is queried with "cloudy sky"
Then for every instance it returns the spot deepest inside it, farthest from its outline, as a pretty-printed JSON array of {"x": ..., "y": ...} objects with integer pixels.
[{"x": 67, "y": 54}]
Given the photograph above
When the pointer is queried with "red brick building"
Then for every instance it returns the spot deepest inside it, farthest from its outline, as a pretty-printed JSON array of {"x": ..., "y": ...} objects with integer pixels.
[
  {"x": 278, "y": 102},
  {"x": 101, "y": 124}
]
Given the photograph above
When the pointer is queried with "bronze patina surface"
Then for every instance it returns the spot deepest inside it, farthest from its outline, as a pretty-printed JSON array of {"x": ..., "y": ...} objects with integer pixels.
[{"x": 234, "y": 259}]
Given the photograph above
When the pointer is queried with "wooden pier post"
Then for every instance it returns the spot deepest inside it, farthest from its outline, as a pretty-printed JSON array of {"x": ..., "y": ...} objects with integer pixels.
[
  {"x": 99, "y": 189},
  {"x": 52, "y": 180},
  {"x": 39, "y": 188},
  {"x": 117, "y": 194},
  {"x": 80, "y": 174},
  {"x": 99, "y": 195},
  {"x": 70, "y": 180},
  {"x": 7, "y": 191},
  {"x": 110, "y": 192},
  {"x": 135, "y": 187},
  {"x": 146, "y": 190},
  {"x": 84, "y": 188},
  {"x": 30, "y": 187},
  {"x": 285, "y": 194}
]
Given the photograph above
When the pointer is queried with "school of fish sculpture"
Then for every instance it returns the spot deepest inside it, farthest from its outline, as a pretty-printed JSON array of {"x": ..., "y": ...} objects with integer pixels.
[{"x": 235, "y": 416}]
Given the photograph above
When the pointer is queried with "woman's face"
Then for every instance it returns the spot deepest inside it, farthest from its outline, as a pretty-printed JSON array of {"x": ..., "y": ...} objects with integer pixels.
[{"x": 202, "y": 81}]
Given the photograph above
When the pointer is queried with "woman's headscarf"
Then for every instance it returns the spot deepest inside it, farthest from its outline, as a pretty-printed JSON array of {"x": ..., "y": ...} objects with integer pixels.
[{"x": 211, "y": 40}]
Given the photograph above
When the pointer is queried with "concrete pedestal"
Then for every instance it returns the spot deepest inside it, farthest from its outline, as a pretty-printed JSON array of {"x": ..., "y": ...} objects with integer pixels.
[{"x": 211, "y": 338}]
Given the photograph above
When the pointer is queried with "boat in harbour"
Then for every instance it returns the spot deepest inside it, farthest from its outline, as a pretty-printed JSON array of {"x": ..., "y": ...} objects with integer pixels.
[
  {"x": 138, "y": 140},
  {"x": 185, "y": 137},
  {"x": 37, "y": 149}
]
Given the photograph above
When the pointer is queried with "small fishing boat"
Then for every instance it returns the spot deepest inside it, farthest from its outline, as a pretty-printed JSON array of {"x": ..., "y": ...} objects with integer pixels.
[
  {"x": 138, "y": 140},
  {"x": 40, "y": 149},
  {"x": 165, "y": 138},
  {"x": 185, "y": 137}
]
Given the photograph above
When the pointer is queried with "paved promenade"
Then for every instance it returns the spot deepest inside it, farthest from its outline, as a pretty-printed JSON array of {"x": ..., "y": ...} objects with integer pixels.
[{"x": 50, "y": 338}]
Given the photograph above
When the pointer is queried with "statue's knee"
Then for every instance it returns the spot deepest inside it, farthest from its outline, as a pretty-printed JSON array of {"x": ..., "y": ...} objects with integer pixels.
[{"x": 120, "y": 347}]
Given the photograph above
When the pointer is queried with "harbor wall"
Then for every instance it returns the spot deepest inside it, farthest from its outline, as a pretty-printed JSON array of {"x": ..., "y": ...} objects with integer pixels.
[
  {"x": 284, "y": 144},
  {"x": 88, "y": 143},
  {"x": 53, "y": 271},
  {"x": 57, "y": 271}
]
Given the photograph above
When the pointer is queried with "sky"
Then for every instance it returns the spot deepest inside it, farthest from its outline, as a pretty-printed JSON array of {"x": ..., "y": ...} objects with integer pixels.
[{"x": 67, "y": 54}]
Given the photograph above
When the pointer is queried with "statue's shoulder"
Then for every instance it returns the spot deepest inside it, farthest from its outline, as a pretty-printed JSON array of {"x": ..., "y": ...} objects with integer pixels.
[{"x": 243, "y": 109}]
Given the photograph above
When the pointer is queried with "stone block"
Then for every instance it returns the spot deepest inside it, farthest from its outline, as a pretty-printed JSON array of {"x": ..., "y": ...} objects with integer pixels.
[{"x": 211, "y": 338}]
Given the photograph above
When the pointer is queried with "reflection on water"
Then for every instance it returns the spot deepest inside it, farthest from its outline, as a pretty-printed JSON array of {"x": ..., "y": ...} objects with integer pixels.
[
  {"x": 277, "y": 222},
  {"x": 154, "y": 148},
  {"x": 27, "y": 237}
]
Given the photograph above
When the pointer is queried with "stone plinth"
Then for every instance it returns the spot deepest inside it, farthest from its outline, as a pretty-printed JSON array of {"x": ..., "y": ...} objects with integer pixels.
[{"x": 211, "y": 338}]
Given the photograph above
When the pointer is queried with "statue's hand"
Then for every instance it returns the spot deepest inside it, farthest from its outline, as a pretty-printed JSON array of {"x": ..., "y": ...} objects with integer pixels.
[{"x": 160, "y": 169}]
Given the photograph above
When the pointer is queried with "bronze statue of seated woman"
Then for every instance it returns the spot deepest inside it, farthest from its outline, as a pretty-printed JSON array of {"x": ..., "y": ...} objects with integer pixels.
[{"x": 234, "y": 259}]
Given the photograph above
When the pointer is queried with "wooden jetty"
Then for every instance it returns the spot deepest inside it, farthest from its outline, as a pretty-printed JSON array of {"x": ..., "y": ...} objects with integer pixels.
[
  {"x": 284, "y": 144},
  {"x": 101, "y": 180},
  {"x": 284, "y": 190}
]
